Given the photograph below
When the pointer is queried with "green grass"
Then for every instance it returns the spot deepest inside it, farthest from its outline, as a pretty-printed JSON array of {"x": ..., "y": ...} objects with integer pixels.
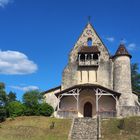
[
  {"x": 38, "y": 128},
  {"x": 129, "y": 131},
  {"x": 35, "y": 128}
]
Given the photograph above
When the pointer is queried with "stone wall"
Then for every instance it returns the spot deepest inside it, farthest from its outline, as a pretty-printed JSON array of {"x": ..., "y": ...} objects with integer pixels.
[
  {"x": 126, "y": 111},
  {"x": 122, "y": 80},
  {"x": 51, "y": 99},
  {"x": 106, "y": 103},
  {"x": 68, "y": 103},
  {"x": 104, "y": 72},
  {"x": 66, "y": 114}
]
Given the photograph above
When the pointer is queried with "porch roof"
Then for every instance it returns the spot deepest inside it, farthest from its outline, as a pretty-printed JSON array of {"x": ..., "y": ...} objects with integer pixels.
[{"x": 88, "y": 86}]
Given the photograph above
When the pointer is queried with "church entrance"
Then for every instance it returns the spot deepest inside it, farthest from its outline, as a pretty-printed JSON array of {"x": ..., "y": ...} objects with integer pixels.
[{"x": 87, "y": 109}]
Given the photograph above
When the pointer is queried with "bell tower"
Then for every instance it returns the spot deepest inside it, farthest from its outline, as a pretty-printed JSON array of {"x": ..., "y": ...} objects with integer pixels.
[
  {"x": 88, "y": 61},
  {"x": 122, "y": 75}
]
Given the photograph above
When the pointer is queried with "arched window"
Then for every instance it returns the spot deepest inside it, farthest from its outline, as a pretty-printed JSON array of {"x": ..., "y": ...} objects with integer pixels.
[{"x": 89, "y": 42}]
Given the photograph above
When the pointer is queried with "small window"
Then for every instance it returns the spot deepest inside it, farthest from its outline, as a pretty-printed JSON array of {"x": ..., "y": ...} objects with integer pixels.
[
  {"x": 89, "y": 42},
  {"x": 88, "y": 56},
  {"x": 82, "y": 57},
  {"x": 95, "y": 56}
]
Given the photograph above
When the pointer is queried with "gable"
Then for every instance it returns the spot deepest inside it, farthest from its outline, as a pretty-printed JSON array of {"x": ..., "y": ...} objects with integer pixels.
[{"x": 89, "y": 33}]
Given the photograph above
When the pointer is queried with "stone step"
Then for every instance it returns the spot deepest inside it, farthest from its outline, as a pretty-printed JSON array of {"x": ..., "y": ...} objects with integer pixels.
[{"x": 84, "y": 129}]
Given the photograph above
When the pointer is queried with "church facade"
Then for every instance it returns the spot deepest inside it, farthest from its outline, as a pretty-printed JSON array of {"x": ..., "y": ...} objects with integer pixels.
[{"x": 94, "y": 82}]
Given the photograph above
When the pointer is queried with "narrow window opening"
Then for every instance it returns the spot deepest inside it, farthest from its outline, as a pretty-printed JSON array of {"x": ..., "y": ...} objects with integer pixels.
[
  {"x": 88, "y": 57},
  {"x": 82, "y": 57},
  {"x": 95, "y": 56},
  {"x": 89, "y": 42}
]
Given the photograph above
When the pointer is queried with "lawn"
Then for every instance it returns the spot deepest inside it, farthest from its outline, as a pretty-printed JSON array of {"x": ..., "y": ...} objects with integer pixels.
[
  {"x": 38, "y": 128},
  {"x": 35, "y": 128},
  {"x": 118, "y": 129}
]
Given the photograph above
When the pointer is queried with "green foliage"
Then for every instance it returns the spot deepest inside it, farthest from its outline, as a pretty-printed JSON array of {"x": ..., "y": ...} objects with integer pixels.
[
  {"x": 32, "y": 98},
  {"x": 15, "y": 109},
  {"x": 135, "y": 75},
  {"x": 32, "y": 110},
  {"x": 11, "y": 97},
  {"x": 45, "y": 109},
  {"x": 32, "y": 104},
  {"x": 52, "y": 125},
  {"x": 121, "y": 124},
  {"x": 2, "y": 114},
  {"x": 3, "y": 96},
  {"x": 2, "y": 86}
]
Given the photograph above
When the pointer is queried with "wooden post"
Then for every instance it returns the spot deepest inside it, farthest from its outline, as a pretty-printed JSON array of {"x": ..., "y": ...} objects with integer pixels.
[
  {"x": 58, "y": 106},
  {"x": 77, "y": 104},
  {"x": 97, "y": 107}
]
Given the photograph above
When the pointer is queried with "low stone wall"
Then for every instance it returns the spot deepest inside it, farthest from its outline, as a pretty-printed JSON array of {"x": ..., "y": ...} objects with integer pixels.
[
  {"x": 107, "y": 114},
  {"x": 126, "y": 111},
  {"x": 67, "y": 114}
]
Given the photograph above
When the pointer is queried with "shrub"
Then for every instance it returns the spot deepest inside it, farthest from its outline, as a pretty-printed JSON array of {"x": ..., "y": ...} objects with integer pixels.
[
  {"x": 121, "y": 124},
  {"x": 2, "y": 114},
  {"x": 15, "y": 109},
  {"x": 45, "y": 109},
  {"x": 31, "y": 111},
  {"x": 31, "y": 100}
]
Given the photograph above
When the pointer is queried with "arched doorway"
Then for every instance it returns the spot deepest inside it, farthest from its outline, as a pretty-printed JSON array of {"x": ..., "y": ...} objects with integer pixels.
[{"x": 87, "y": 109}]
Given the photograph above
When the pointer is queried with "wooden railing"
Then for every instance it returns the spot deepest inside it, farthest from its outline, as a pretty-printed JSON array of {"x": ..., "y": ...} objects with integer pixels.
[{"x": 88, "y": 63}]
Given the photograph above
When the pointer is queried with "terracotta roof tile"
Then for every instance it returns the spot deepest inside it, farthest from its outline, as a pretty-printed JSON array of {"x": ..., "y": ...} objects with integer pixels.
[
  {"x": 86, "y": 49},
  {"x": 89, "y": 86},
  {"x": 122, "y": 51}
]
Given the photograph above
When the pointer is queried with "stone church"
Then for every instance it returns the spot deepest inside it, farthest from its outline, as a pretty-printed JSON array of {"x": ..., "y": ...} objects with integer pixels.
[{"x": 94, "y": 82}]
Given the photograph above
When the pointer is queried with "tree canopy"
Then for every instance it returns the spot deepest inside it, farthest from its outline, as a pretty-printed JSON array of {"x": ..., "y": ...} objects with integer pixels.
[{"x": 135, "y": 76}]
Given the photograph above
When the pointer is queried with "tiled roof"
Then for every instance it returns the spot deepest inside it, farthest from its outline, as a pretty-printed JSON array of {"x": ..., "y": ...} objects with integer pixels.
[
  {"x": 122, "y": 51},
  {"x": 92, "y": 49},
  {"x": 52, "y": 89},
  {"x": 89, "y": 86}
]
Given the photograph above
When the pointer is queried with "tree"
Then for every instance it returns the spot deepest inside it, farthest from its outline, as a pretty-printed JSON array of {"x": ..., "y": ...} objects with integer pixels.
[
  {"x": 45, "y": 109},
  {"x": 15, "y": 109},
  {"x": 11, "y": 97},
  {"x": 3, "y": 96},
  {"x": 135, "y": 76},
  {"x": 2, "y": 114},
  {"x": 32, "y": 100}
]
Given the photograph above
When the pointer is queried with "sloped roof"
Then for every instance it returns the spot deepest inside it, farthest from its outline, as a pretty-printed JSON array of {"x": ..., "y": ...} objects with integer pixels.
[
  {"x": 96, "y": 34},
  {"x": 87, "y": 49},
  {"x": 122, "y": 51},
  {"x": 89, "y": 86},
  {"x": 52, "y": 89}
]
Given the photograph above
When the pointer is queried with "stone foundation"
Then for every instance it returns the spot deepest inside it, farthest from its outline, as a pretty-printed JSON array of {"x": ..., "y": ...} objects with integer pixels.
[
  {"x": 66, "y": 114},
  {"x": 126, "y": 111}
]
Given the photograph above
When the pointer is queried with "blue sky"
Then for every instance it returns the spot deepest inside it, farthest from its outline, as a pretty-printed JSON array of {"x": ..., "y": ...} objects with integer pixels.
[{"x": 36, "y": 36}]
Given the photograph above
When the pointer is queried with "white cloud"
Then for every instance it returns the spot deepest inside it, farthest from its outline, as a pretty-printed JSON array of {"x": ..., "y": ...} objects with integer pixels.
[
  {"x": 14, "y": 62},
  {"x": 25, "y": 88},
  {"x": 3, "y": 3},
  {"x": 131, "y": 46},
  {"x": 110, "y": 39}
]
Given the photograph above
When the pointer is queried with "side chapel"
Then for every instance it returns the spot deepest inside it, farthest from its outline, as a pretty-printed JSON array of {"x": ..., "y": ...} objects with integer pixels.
[{"x": 94, "y": 82}]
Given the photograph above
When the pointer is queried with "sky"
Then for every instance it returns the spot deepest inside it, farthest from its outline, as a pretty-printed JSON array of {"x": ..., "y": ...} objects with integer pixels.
[{"x": 36, "y": 37}]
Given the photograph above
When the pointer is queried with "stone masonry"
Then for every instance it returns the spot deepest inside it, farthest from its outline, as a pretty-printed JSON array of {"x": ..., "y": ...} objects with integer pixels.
[
  {"x": 110, "y": 73},
  {"x": 84, "y": 129}
]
